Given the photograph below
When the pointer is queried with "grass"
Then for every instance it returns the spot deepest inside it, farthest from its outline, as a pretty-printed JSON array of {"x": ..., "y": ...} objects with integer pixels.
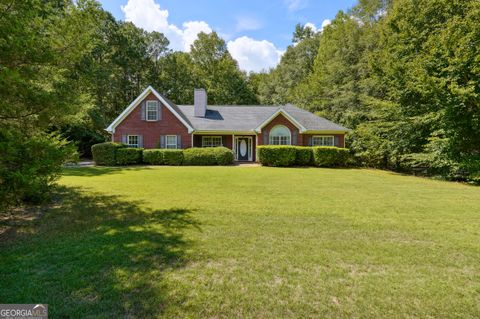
[{"x": 223, "y": 242}]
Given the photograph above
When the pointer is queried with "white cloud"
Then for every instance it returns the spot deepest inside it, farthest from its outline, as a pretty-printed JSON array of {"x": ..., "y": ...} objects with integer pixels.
[
  {"x": 295, "y": 5},
  {"x": 248, "y": 24},
  {"x": 254, "y": 55},
  {"x": 315, "y": 29},
  {"x": 147, "y": 14}
]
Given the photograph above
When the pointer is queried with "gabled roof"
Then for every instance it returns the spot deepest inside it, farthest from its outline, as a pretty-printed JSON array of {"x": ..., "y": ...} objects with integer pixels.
[
  {"x": 171, "y": 106},
  {"x": 252, "y": 118},
  {"x": 235, "y": 118}
]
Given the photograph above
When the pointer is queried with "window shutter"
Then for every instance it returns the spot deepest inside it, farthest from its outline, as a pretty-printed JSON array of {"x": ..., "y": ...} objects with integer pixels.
[
  {"x": 265, "y": 138},
  {"x": 310, "y": 141},
  {"x": 179, "y": 141},
  {"x": 143, "y": 110},
  {"x": 159, "y": 111},
  {"x": 124, "y": 139},
  {"x": 336, "y": 141},
  {"x": 140, "y": 141},
  {"x": 162, "y": 141},
  {"x": 294, "y": 137}
]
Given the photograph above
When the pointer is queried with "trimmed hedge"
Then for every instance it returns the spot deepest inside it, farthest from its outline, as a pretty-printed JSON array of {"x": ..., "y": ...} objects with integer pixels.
[
  {"x": 303, "y": 156},
  {"x": 106, "y": 153},
  {"x": 330, "y": 156},
  {"x": 129, "y": 156},
  {"x": 207, "y": 156},
  {"x": 277, "y": 155},
  {"x": 163, "y": 157}
]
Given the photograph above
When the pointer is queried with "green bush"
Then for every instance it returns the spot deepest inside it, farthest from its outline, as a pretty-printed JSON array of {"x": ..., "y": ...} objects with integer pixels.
[
  {"x": 29, "y": 165},
  {"x": 153, "y": 156},
  {"x": 329, "y": 156},
  {"x": 106, "y": 153},
  {"x": 223, "y": 156},
  {"x": 303, "y": 156},
  {"x": 163, "y": 157},
  {"x": 207, "y": 156},
  {"x": 129, "y": 156},
  {"x": 276, "y": 155},
  {"x": 173, "y": 157}
]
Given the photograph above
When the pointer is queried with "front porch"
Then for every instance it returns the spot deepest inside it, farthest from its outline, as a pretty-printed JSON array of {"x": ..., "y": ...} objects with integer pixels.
[{"x": 242, "y": 145}]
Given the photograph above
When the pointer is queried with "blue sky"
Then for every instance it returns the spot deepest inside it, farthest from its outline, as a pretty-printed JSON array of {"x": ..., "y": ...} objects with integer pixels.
[{"x": 257, "y": 32}]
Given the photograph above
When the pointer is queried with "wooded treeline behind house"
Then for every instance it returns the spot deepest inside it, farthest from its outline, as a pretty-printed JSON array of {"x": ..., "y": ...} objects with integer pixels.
[{"x": 404, "y": 75}]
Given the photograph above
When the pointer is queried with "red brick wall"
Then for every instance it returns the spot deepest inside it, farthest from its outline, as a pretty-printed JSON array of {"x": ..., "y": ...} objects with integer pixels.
[
  {"x": 280, "y": 120},
  {"x": 151, "y": 131}
]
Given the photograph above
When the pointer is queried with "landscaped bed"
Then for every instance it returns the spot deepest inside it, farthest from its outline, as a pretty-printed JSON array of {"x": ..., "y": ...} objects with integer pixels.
[{"x": 230, "y": 242}]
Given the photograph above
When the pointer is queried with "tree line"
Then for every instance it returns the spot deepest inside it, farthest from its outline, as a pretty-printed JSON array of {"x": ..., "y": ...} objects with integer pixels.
[{"x": 402, "y": 74}]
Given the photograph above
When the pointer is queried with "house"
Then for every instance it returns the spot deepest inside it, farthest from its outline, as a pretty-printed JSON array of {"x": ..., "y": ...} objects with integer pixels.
[{"x": 153, "y": 121}]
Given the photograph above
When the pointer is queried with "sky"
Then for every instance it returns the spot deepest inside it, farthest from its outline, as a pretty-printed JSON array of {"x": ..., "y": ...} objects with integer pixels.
[{"x": 257, "y": 32}]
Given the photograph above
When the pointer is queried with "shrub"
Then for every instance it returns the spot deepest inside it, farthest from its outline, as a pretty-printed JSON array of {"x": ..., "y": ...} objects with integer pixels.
[
  {"x": 153, "y": 156},
  {"x": 273, "y": 155},
  {"x": 329, "y": 156},
  {"x": 172, "y": 157},
  {"x": 29, "y": 165},
  {"x": 129, "y": 156},
  {"x": 303, "y": 156},
  {"x": 223, "y": 156},
  {"x": 207, "y": 156},
  {"x": 105, "y": 153}
]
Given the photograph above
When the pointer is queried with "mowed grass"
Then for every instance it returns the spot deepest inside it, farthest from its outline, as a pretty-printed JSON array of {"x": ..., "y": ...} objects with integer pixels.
[{"x": 249, "y": 242}]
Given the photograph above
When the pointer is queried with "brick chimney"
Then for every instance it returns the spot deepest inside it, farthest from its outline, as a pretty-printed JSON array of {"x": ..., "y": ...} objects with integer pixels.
[{"x": 200, "y": 102}]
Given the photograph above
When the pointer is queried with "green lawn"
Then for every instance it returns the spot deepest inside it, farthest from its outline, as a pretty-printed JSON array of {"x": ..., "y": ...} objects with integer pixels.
[{"x": 256, "y": 242}]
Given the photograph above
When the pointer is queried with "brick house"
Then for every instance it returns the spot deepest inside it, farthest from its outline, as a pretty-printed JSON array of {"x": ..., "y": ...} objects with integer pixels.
[{"x": 153, "y": 121}]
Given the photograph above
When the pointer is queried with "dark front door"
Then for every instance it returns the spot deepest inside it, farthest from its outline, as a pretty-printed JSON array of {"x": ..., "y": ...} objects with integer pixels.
[{"x": 243, "y": 149}]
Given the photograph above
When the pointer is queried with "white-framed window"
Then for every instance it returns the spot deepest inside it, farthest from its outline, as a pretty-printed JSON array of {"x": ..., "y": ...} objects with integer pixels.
[
  {"x": 132, "y": 141},
  {"x": 211, "y": 141},
  {"x": 152, "y": 111},
  {"x": 322, "y": 140},
  {"x": 280, "y": 135},
  {"x": 171, "y": 141}
]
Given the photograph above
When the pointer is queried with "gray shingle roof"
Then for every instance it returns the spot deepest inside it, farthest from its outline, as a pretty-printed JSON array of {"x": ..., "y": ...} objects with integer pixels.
[{"x": 249, "y": 117}]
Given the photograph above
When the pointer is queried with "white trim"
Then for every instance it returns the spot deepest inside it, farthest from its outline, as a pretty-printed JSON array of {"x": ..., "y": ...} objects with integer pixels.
[
  {"x": 249, "y": 144},
  {"x": 212, "y": 136},
  {"x": 284, "y": 113},
  {"x": 166, "y": 141},
  {"x": 134, "y": 104},
  {"x": 156, "y": 110},
  {"x": 333, "y": 139}
]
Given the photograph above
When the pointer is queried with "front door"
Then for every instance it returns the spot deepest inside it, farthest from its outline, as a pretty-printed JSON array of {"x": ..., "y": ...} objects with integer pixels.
[{"x": 243, "y": 148}]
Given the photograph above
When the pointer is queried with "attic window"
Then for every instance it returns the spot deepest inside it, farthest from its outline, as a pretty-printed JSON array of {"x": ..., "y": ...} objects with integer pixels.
[{"x": 152, "y": 111}]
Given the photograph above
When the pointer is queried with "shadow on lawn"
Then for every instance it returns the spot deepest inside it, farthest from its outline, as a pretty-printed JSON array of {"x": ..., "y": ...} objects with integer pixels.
[
  {"x": 98, "y": 170},
  {"x": 96, "y": 255}
]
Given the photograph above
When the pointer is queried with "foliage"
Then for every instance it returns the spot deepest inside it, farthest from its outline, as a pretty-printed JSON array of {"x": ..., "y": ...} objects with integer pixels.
[
  {"x": 207, "y": 156},
  {"x": 273, "y": 155},
  {"x": 329, "y": 156},
  {"x": 163, "y": 157},
  {"x": 106, "y": 153},
  {"x": 129, "y": 156},
  {"x": 303, "y": 155},
  {"x": 29, "y": 165}
]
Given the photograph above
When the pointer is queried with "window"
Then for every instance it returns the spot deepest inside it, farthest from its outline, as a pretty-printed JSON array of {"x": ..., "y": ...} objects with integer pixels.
[
  {"x": 152, "y": 111},
  {"x": 211, "y": 141},
  {"x": 132, "y": 140},
  {"x": 171, "y": 141},
  {"x": 322, "y": 140},
  {"x": 280, "y": 135}
]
